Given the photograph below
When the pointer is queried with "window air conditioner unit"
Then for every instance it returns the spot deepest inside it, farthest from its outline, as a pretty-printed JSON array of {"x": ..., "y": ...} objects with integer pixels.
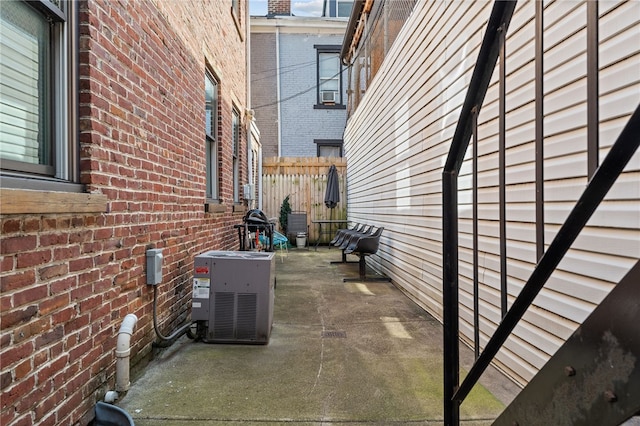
[
  {"x": 329, "y": 96},
  {"x": 249, "y": 191}
]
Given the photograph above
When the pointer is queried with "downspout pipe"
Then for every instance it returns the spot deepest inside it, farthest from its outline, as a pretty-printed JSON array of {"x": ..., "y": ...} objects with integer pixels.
[
  {"x": 123, "y": 351},
  {"x": 278, "y": 90}
]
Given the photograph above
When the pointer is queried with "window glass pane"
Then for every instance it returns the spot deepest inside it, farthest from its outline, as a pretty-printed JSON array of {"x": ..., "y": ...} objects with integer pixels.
[
  {"x": 329, "y": 65},
  {"x": 25, "y": 72},
  {"x": 235, "y": 148},
  {"x": 211, "y": 105},
  {"x": 210, "y": 148},
  {"x": 211, "y": 127},
  {"x": 328, "y": 151},
  {"x": 236, "y": 132},
  {"x": 329, "y": 77},
  {"x": 344, "y": 8},
  {"x": 332, "y": 85}
]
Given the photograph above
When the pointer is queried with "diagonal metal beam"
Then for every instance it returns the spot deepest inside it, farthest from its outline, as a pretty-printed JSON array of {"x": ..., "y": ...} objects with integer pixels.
[{"x": 594, "y": 378}]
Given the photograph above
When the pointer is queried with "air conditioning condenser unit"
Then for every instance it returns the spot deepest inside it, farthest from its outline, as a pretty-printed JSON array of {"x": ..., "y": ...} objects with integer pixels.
[{"x": 233, "y": 295}]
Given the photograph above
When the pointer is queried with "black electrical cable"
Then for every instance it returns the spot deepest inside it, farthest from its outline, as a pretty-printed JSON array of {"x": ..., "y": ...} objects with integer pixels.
[
  {"x": 288, "y": 98},
  {"x": 165, "y": 340}
]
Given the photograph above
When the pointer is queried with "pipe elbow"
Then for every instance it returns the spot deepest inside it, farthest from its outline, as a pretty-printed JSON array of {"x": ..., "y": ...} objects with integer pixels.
[
  {"x": 123, "y": 346},
  {"x": 128, "y": 324}
]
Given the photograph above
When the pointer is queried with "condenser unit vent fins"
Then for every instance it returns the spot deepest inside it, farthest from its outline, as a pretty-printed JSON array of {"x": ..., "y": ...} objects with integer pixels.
[
  {"x": 246, "y": 318},
  {"x": 223, "y": 318}
]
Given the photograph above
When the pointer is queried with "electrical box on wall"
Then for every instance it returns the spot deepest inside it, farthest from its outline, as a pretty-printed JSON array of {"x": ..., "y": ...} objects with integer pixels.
[
  {"x": 154, "y": 266},
  {"x": 249, "y": 191}
]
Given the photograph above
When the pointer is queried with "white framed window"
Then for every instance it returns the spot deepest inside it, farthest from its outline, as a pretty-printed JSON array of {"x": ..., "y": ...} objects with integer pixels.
[
  {"x": 38, "y": 93},
  {"x": 211, "y": 132},
  {"x": 338, "y": 8},
  {"x": 235, "y": 120},
  {"x": 329, "y": 77},
  {"x": 329, "y": 72}
]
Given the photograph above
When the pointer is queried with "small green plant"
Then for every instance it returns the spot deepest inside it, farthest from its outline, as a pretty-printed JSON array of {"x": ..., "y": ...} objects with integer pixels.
[{"x": 285, "y": 209}]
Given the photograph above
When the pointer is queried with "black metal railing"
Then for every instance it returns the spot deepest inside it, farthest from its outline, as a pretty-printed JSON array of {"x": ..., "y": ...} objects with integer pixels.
[
  {"x": 601, "y": 181},
  {"x": 489, "y": 52}
]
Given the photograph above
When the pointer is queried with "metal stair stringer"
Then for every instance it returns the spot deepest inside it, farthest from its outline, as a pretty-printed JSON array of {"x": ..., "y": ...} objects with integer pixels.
[{"x": 594, "y": 378}]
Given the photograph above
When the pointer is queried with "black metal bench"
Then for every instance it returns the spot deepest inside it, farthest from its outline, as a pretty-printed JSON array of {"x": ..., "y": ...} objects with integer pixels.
[
  {"x": 340, "y": 234},
  {"x": 351, "y": 237},
  {"x": 344, "y": 237},
  {"x": 364, "y": 245}
]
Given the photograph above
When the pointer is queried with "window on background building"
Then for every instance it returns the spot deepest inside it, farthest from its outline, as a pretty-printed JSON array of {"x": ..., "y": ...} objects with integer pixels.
[
  {"x": 236, "y": 151},
  {"x": 211, "y": 131},
  {"x": 338, "y": 8},
  {"x": 344, "y": 8},
  {"x": 329, "y": 147},
  {"x": 329, "y": 76},
  {"x": 38, "y": 61}
]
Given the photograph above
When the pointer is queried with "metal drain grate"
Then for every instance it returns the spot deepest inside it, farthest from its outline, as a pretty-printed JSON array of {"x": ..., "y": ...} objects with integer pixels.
[{"x": 340, "y": 334}]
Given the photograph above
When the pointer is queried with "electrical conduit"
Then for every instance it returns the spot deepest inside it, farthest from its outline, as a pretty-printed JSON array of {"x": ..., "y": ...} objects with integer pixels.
[{"x": 165, "y": 340}]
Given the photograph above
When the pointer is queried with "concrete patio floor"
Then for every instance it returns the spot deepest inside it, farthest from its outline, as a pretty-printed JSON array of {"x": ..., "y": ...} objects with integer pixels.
[{"x": 357, "y": 353}]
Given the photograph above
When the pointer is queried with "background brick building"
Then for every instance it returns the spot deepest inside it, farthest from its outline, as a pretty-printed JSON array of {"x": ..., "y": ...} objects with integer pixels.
[{"x": 131, "y": 172}]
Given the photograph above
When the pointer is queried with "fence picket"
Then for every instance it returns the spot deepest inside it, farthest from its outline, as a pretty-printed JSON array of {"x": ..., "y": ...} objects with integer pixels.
[{"x": 305, "y": 181}]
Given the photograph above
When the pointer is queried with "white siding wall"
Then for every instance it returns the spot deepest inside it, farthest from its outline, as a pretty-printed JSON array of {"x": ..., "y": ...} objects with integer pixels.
[{"x": 397, "y": 141}]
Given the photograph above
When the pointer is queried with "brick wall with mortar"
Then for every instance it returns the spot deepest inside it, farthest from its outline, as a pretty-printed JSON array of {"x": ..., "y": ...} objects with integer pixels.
[
  {"x": 264, "y": 90},
  {"x": 301, "y": 122},
  {"x": 279, "y": 7},
  {"x": 68, "y": 280}
]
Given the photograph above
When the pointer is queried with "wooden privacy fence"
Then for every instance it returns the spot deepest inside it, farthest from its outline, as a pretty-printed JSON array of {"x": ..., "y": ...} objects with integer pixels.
[{"x": 304, "y": 180}]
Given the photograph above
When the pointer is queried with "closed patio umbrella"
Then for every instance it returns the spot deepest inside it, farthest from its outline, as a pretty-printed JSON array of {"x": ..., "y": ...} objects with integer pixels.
[{"x": 332, "y": 196}]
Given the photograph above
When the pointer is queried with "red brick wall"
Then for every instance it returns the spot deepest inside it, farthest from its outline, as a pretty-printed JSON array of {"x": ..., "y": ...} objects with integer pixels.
[
  {"x": 279, "y": 7},
  {"x": 68, "y": 280}
]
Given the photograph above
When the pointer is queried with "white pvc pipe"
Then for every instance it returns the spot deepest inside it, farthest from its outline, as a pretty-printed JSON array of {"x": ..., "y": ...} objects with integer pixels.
[
  {"x": 123, "y": 350},
  {"x": 111, "y": 397},
  {"x": 278, "y": 90}
]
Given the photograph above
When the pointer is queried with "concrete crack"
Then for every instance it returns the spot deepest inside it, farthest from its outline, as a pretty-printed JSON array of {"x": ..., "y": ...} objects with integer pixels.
[{"x": 321, "y": 348}]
